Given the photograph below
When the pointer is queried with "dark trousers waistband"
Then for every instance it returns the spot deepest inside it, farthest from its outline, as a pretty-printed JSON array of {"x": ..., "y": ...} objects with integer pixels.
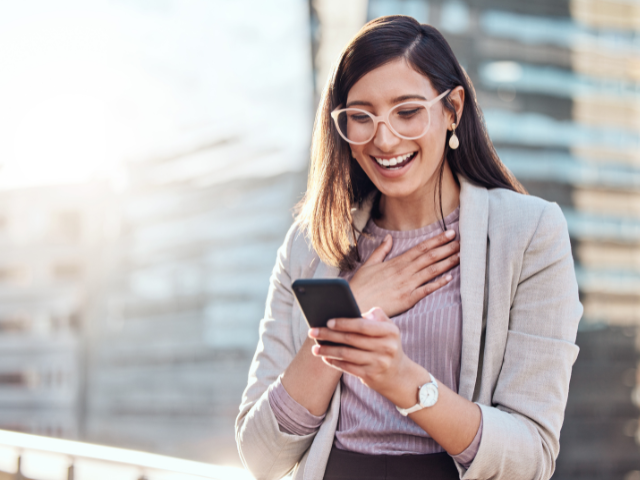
[{"x": 345, "y": 465}]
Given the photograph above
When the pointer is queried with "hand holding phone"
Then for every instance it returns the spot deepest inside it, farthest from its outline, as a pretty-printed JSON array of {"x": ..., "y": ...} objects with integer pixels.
[{"x": 324, "y": 299}]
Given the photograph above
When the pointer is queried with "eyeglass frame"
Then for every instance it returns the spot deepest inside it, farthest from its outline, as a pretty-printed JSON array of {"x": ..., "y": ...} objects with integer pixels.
[{"x": 377, "y": 119}]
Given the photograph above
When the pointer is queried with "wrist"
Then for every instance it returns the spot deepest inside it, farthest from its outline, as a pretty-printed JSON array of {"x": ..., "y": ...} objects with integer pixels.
[{"x": 404, "y": 390}]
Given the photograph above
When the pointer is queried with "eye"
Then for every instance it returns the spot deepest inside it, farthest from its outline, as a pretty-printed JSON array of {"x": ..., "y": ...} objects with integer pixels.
[
  {"x": 359, "y": 117},
  {"x": 408, "y": 112}
]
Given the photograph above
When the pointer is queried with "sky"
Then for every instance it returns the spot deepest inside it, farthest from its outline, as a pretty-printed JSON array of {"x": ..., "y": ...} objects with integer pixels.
[{"x": 88, "y": 85}]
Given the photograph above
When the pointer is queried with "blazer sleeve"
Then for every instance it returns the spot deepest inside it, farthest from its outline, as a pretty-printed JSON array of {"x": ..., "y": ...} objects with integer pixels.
[
  {"x": 521, "y": 429},
  {"x": 264, "y": 450}
]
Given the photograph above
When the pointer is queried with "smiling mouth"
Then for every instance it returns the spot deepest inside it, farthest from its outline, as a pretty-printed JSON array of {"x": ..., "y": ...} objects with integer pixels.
[{"x": 395, "y": 163}]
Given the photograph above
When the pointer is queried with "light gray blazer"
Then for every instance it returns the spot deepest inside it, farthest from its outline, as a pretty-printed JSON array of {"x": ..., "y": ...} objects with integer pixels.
[{"x": 520, "y": 314}]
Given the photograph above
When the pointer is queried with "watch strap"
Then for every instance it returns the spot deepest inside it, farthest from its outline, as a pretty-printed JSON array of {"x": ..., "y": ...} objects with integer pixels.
[{"x": 406, "y": 411}]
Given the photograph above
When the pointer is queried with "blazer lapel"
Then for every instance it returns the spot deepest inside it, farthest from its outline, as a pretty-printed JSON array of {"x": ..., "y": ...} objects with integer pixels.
[{"x": 474, "y": 222}]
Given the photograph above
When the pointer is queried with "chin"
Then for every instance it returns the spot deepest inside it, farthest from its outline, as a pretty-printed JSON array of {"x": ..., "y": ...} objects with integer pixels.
[{"x": 398, "y": 191}]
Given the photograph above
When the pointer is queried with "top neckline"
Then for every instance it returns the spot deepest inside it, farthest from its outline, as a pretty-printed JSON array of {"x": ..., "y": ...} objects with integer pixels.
[{"x": 372, "y": 229}]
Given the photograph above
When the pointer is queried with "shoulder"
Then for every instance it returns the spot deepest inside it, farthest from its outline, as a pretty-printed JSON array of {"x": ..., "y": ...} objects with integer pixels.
[
  {"x": 298, "y": 252},
  {"x": 523, "y": 216}
]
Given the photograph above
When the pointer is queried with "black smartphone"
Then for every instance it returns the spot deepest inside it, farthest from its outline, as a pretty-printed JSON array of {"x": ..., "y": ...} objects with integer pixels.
[{"x": 322, "y": 299}]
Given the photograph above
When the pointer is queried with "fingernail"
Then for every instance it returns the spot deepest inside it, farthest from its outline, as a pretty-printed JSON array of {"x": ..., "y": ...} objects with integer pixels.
[
  {"x": 314, "y": 332},
  {"x": 458, "y": 255},
  {"x": 450, "y": 233},
  {"x": 387, "y": 237},
  {"x": 448, "y": 278},
  {"x": 331, "y": 323},
  {"x": 315, "y": 349}
]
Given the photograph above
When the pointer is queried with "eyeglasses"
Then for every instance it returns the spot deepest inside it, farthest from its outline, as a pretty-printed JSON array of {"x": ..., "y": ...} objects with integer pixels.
[{"x": 409, "y": 120}]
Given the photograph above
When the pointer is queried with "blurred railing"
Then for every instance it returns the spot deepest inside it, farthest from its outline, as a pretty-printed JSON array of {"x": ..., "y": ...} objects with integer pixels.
[{"x": 32, "y": 457}]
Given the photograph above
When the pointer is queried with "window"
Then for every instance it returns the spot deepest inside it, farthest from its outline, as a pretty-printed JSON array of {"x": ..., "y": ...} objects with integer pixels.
[
  {"x": 14, "y": 323},
  {"x": 418, "y": 9},
  {"x": 67, "y": 271},
  {"x": 66, "y": 226},
  {"x": 13, "y": 379},
  {"x": 455, "y": 17},
  {"x": 14, "y": 275}
]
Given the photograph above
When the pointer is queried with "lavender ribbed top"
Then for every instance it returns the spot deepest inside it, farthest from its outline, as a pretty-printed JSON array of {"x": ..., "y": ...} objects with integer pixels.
[{"x": 431, "y": 334}]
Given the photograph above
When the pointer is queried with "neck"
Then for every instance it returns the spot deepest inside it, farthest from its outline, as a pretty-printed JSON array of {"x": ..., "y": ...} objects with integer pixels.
[{"x": 421, "y": 208}]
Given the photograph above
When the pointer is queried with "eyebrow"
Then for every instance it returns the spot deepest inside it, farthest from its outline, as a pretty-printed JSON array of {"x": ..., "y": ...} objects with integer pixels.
[{"x": 402, "y": 98}]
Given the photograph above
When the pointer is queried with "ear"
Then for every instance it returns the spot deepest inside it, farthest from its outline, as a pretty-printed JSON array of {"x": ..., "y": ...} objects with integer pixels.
[{"x": 456, "y": 97}]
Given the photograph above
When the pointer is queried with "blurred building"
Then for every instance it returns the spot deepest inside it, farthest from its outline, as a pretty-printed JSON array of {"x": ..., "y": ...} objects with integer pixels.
[
  {"x": 559, "y": 84},
  {"x": 171, "y": 358},
  {"x": 334, "y": 23},
  {"x": 203, "y": 216},
  {"x": 131, "y": 320},
  {"x": 49, "y": 276}
]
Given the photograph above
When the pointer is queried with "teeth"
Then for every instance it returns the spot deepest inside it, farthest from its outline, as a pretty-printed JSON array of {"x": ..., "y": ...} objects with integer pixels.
[{"x": 391, "y": 162}]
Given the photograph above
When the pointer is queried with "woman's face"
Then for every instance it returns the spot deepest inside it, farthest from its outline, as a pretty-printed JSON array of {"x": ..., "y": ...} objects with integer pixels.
[{"x": 377, "y": 92}]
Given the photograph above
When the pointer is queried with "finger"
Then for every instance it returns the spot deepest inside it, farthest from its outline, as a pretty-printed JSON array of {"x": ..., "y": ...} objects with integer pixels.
[
  {"x": 380, "y": 253},
  {"x": 354, "y": 340},
  {"x": 376, "y": 314},
  {"x": 355, "y": 370},
  {"x": 328, "y": 362},
  {"x": 436, "y": 254},
  {"x": 371, "y": 328},
  {"x": 421, "y": 292},
  {"x": 432, "y": 271},
  {"x": 347, "y": 354},
  {"x": 430, "y": 244}
]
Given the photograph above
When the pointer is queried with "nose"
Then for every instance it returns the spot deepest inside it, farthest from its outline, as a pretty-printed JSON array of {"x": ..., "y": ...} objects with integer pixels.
[{"x": 384, "y": 139}]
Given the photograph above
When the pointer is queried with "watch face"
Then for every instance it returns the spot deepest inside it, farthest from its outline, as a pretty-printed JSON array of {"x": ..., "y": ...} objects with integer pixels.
[{"x": 428, "y": 395}]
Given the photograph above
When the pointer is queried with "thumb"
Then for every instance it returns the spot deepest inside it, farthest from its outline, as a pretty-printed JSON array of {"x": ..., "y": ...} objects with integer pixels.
[
  {"x": 380, "y": 253},
  {"x": 376, "y": 314}
]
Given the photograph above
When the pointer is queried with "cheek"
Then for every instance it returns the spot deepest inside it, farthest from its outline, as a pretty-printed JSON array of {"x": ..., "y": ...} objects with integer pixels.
[{"x": 433, "y": 143}]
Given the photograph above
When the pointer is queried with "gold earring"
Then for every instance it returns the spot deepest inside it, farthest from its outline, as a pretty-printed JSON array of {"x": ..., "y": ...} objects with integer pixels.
[{"x": 453, "y": 139}]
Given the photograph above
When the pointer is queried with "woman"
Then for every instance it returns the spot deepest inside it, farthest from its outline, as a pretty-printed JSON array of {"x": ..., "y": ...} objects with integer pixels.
[{"x": 460, "y": 365}]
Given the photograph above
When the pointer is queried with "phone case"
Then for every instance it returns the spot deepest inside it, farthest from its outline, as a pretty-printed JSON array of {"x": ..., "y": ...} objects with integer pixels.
[{"x": 324, "y": 299}]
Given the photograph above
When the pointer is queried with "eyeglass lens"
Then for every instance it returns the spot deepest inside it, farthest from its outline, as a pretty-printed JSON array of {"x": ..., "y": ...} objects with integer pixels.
[{"x": 408, "y": 120}]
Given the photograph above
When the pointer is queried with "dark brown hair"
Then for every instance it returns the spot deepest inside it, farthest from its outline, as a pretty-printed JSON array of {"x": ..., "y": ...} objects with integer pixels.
[{"x": 336, "y": 181}]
